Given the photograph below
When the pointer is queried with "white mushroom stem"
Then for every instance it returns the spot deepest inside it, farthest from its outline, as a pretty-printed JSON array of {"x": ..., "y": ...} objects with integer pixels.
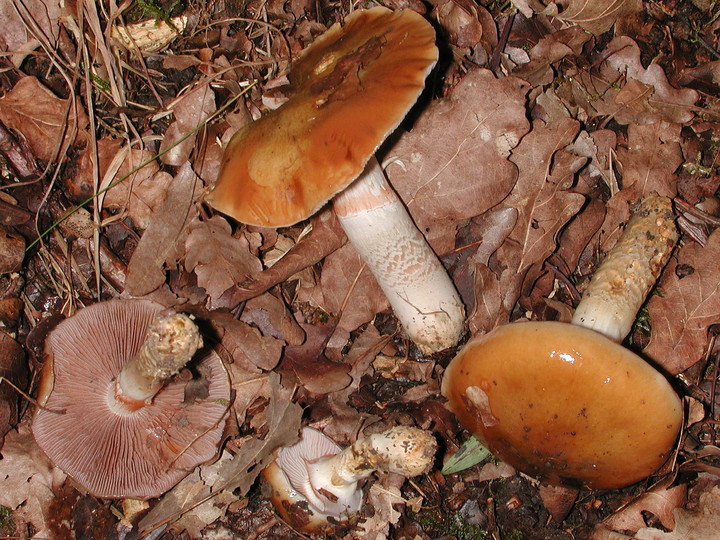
[
  {"x": 419, "y": 289},
  {"x": 403, "y": 450},
  {"x": 320, "y": 481},
  {"x": 171, "y": 342},
  {"x": 619, "y": 286}
]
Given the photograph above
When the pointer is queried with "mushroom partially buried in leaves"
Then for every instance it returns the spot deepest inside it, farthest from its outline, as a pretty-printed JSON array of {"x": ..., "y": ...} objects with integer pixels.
[
  {"x": 114, "y": 418},
  {"x": 348, "y": 91},
  {"x": 565, "y": 403},
  {"x": 315, "y": 483}
]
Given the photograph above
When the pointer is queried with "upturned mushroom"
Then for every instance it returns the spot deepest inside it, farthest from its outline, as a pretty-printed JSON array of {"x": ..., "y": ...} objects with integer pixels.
[
  {"x": 348, "y": 91},
  {"x": 113, "y": 416},
  {"x": 315, "y": 483},
  {"x": 563, "y": 402}
]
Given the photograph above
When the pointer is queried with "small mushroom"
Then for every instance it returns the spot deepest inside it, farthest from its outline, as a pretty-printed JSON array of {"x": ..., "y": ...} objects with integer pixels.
[
  {"x": 348, "y": 91},
  {"x": 113, "y": 417},
  {"x": 567, "y": 403},
  {"x": 315, "y": 483}
]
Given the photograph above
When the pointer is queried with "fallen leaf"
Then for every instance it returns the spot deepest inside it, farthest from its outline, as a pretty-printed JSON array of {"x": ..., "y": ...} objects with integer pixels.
[
  {"x": 549, "y": 50},
  {"x": 245, "y": 345},
  {"x": 685, "y": 306},
  {"x": 544, "y": 203},
  {"x": 18, "y": 41},
  {"x": 700, "y": 523},
  {"x": 315, "y": 372},
  {"x": 31, "y": 109},
  {"x": 13, "y": 369},
  {"x": 12, "y": 250},
  {"x": 190, "y": 111},
  {"x": 460, "y": 21},
  {"x": 383, "y": 496},
  {"x": 324, "y": 238},
  {"x": 659, "y": 501},
  {"x": 558, "y": 500},
  {"x": 272, "y": 316},
  {"x": 160, "y": 244},
  {"x": 347, "y": 289},
  {"x": 29, "y": 480},
  {"x": 197, "y": 518},
  {"x": 218, "y": 258},
  {"x": 622, "y": 88},
  {"x": 650, "y": 158},
  {"x": 140, "y": 191},
  {"x": 594, "y": 16},
  {"x": 454, "y": 164}
]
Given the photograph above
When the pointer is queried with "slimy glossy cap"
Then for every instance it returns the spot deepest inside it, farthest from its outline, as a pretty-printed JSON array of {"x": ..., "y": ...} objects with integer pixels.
[{"x": 564, "y": 404}]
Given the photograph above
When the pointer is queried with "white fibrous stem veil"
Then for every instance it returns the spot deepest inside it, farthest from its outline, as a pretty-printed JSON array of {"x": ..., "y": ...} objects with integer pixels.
[
  {"x": 619, "y": 286},
  {"x": 418, "y": 287},
  {"x": 172, "y": 340}
]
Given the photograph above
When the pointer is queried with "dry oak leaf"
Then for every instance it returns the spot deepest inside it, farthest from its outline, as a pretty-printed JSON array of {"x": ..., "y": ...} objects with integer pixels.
[
  {"x": 247, "y": 347},
  {"x": 13, "y": 368},
  {"x": 136, "y": 192},
  {"x": 190, "y": 110},
  {"x": 660, "y": 501},
  {"x": 246, "y": 353},
  {"x": 651, "y": 157},
  {"x": 218, "y": 258},
  {"x": 162, "y": 244},
  {"x": 12, "y": 250},
  {"x": 348, "y": 289},
  {"x": 460, "y": 20},
  {"x": 623, "y": 89},
  {"x": 15, "y": 38},
  {"x": 28, "y": 480},
  {"x": 681, "y": 314},
  {"x": 270, "y": 314},
  {"x": 595, "y": 16},
  {"x": 648, "y": 160},
  {"x": 384, "y": 497},
  {"x": 454, "y": 164},
  {"x": 548, "y": 50},
  {"x": 544, "y": 203},
  {"x": 701, "y": 523},
  {"x": 44, "y": 119}
]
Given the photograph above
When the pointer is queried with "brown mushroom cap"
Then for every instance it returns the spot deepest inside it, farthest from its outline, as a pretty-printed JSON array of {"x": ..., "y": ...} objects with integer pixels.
[
  {"x": 565, "y": 404},
  {"x": 138, "y": 454},
  {"x": 349, "y": 90}
]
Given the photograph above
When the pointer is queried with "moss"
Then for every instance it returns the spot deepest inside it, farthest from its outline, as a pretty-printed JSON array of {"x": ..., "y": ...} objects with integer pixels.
[
  {"x": 436, "y": 524},
  {"x": 7, "y": 523}
]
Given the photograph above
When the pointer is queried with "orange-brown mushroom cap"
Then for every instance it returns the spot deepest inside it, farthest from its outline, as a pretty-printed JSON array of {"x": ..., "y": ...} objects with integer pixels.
[
  {"x": 564, "y": 404},
  {"x": 138, "y": 454},
  {"x": 348, "y": 91}
]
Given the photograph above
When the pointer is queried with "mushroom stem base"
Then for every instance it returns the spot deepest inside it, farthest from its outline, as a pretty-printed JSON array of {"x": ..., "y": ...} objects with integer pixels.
[{"x": 619, "y": 286}]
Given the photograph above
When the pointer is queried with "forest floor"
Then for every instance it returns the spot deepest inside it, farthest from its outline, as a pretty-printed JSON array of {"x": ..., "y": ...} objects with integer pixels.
[{"x": 540, "y": 126}]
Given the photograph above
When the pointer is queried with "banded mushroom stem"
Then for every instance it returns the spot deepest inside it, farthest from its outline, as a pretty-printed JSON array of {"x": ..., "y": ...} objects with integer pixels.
[
  {"x": 172, "y": 340},
  {"x": 418, "y": 287},
  {"x": 619, "y": 286}
]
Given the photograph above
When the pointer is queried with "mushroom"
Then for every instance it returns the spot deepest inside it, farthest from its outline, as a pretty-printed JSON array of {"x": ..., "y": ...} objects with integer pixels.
[
  {"x": 315, "y": 483},
  {"x": 112, "y": 416},
  {"x": 566, "y": 402},
  {"x": 348, "y": 91}
]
